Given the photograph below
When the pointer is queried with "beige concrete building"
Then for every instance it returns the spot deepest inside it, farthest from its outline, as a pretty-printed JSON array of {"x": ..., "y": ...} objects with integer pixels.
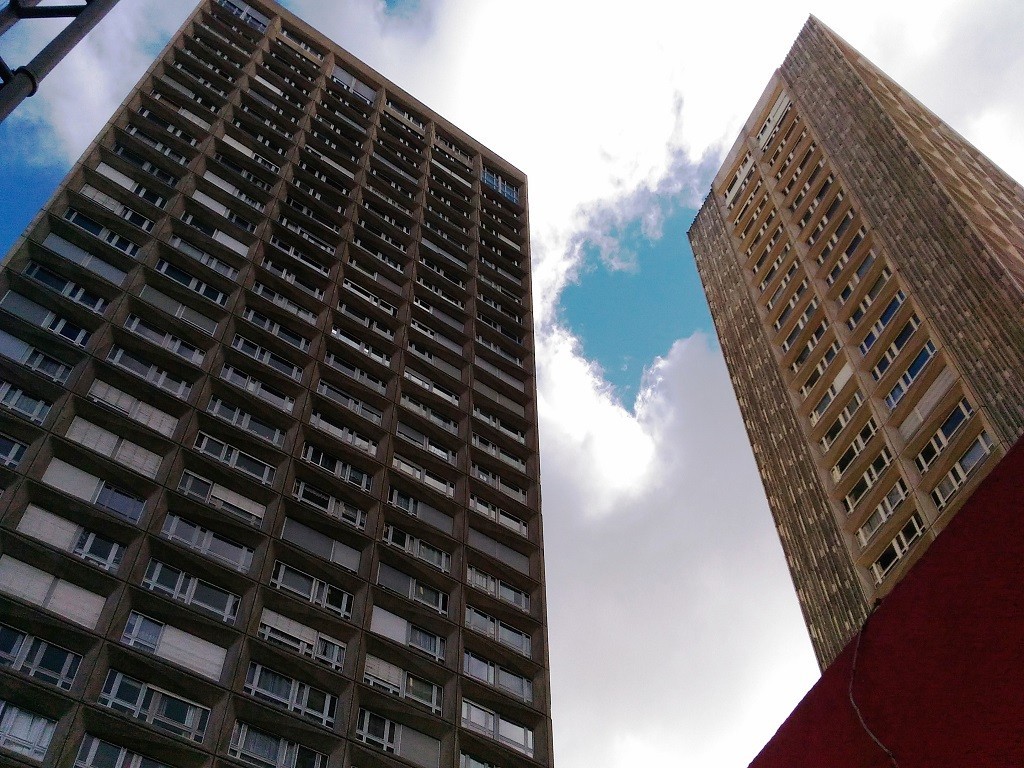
[
  {"x": 864, "y": 266},
  {"x": 268, "y": 442}
]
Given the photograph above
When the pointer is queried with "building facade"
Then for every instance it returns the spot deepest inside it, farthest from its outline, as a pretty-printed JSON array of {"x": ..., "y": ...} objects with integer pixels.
[
  {"x": 864, "y": 266},
  {"x": 270, "y": 481}
]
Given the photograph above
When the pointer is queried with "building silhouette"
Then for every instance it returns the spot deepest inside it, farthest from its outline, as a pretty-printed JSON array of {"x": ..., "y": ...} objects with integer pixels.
[
  {"x": 269, "y": 446},
  {"x": 863, "y": 265}
]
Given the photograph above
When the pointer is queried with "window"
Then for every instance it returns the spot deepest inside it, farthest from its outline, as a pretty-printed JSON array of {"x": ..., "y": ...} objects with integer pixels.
[
  {"x": 857, "y": 446},
  {"x": 867, "y": 480},
  {"x": 377, "y": 731},
  {"x": 885, "y": 509},
  {"x": 417, "y": 548},
  {"x": 301, "y": 639},
  {"x": 396, "y": 628},
  {"x": 157, "y": 172},
  {"x": 801, "y": 323},
  {"x": 488, "y": 672},
  {"x": 495, "y": 480},
  {"x": 137, "y": 366},
  {"x": 430, "y": 386},
  {"x": 191, "y": 282},
  {"x": 43, "y": 589},
  {"x": 862, "y": 269},
  {"x": 23, "y": 732},
  {"x": 204, "y": 258},
  {"x": 355, "y": 373},
  {"x": 18, "y": 400},
  {"x": 505, "y": 634},
  {"x": 361, "y": 346},
  {"x": 65, "y": 287},
  {"x": 833, "y": 432},
  {"x": 186, "y": 588},
  {"x": 282, "y": 332},
  {"x": 230, "y": 455},
  {"x": 498, "y": 452},
  {"x": 783, "y": 316},
  {"x": 898, "y": 548},
  {"x": 318, "y": 592},
  {"x": 961, "y": 471},
  {"x": 320, "y": 544},
  {"x": 156, "y": 706},
  {"x": 96, "y": 229},
  {"x": 337, "y": 467},
  {"x": 11, "y": 451},
  {"x": 358, "y": 407},
  {"x": 500, "y": 424},
  {"x": 421, "y": 510},
  {"x": 120, "y": 449},
  {"x": 407, "y": 586},
  {"x": 284, "y": 302},
  {"x": 37, "y": 658},
  {"x": 76, "y": 482},
  {"x": 910, "y": 375},
  {"x": 497, "y": 727},
  {"x": 498, "y": 588},
  {"x": 245, "y": 420},
  {"x": 858, "y": 314},
  {"x": 467, "y": 761},
  {"x": 266, "y": 357},
  {"x": 389, "y": 736},
  {"x": 428, "y": 444},
  {"x": 880, "y": 324},
  {"x": 183, "y": 349},
  {"x": 396, "y": 681},
  {"x": 136, "y": 188},
  {"x": 329, "y": 505},
  {"x": 498, "y": 515},
  {"x": 220, "y": 497},
  {"x": 502, "y": 552},
  {"x": 70, "y": 537},
  {"x": 265, "y": 751},
  {"x": 819, "y": 370},
  {"x": 268, "y": 394},
  {"x": 345, "y": 434},
  {"x": 427, "y": 477},
  {"x": 25, "y": 354},
  {"x": 295, "y": 696},
  {"x": 207, "y": 542},
  {"x": 958, "y": 416},
  {"x": 174, "y": 645},
  {"x": 119, "y": 209},
  {"x": 40, "y": 316},
  {"x": 96, "y": 753},
  {"x": 893, "y": 351},
  {"x": 132, "y": 407},
  {"x": 142, "y": 632}
]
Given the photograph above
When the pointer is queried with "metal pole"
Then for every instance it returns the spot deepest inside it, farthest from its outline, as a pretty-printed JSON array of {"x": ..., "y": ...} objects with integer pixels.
[
  {"x": 26, "y": 79},
  {"x": 8, "y": 16}
]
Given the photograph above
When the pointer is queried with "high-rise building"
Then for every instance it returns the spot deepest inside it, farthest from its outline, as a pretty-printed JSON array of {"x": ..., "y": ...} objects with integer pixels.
[
  {"x": 863, "y": 264},
  {"x": 268, "y": 436}
]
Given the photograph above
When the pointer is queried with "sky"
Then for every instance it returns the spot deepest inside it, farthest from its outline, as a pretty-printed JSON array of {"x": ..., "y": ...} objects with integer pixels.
[{"x": 675, "y": 637}]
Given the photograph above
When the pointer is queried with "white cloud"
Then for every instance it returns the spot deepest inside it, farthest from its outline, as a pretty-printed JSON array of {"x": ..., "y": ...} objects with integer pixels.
[
  {"x": 674, "y": 630},
  {"x": 675, "y": 637},
  {"x": 80, "y": 94}
]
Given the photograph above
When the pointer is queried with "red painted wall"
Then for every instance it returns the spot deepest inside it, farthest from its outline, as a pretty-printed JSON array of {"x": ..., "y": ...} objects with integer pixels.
[{"x": 939, "y": 673}]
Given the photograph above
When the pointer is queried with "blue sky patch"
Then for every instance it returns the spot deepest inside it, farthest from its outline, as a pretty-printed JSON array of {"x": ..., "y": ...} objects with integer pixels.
[
  {"x": 627, "y": 318},
  {"x": 401, "y": 7},
  {"x": 24, "y": 187}
]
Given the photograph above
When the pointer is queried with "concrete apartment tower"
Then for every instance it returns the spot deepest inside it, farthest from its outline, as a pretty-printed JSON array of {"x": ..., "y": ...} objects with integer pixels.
[
  {"x": 268, "y": 443},
  {"x": 864, "y": 266}
]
